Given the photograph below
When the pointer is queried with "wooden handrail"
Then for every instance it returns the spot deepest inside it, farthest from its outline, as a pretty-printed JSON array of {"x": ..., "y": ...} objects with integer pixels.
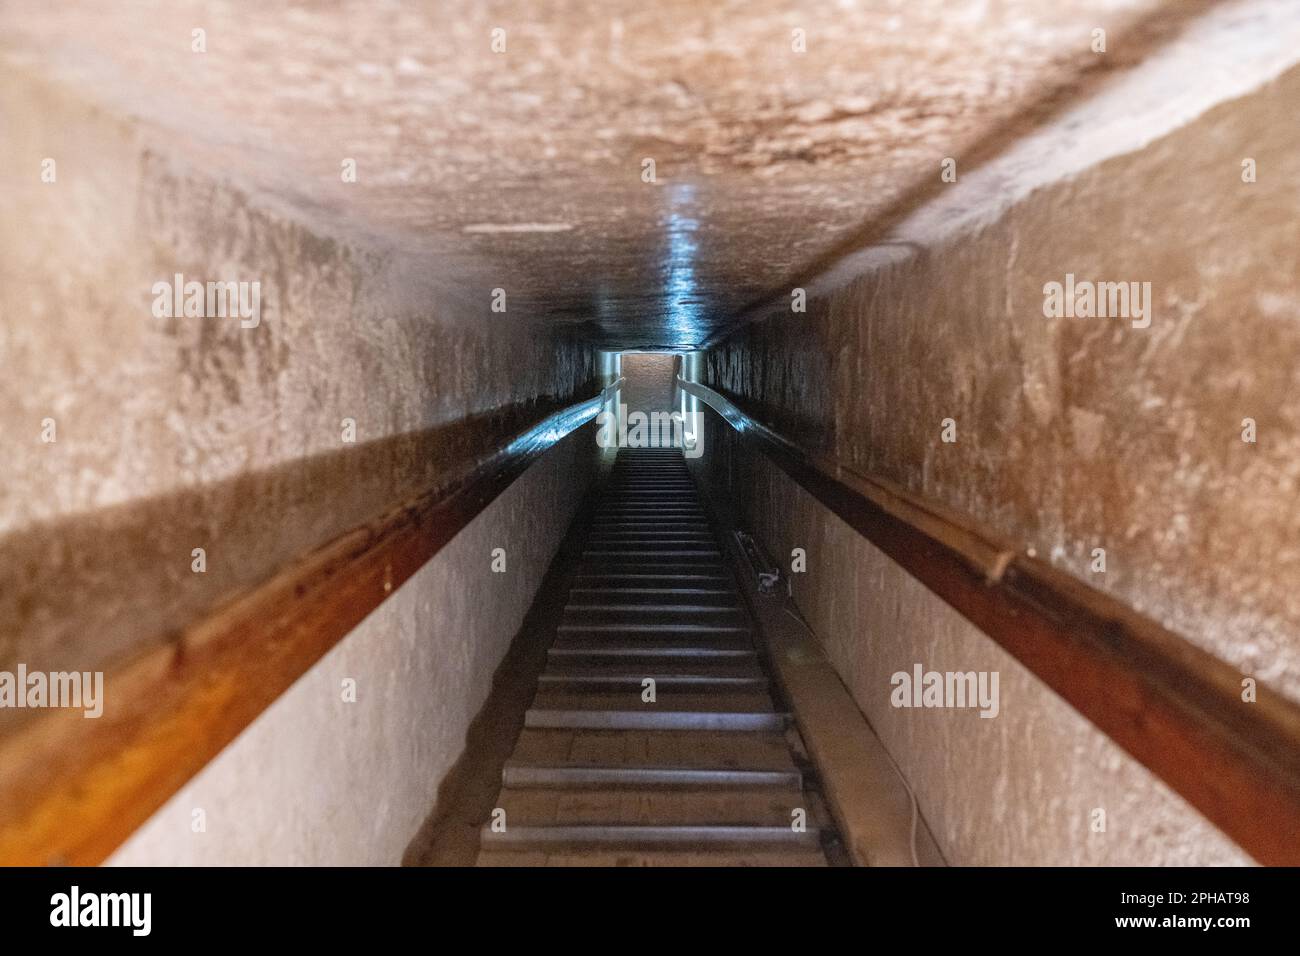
[
  {"x": 1173, "y": 706},
  {"x": 71, "y": 789}
]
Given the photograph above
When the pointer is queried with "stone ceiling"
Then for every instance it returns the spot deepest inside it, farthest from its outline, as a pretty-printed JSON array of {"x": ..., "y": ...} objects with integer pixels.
[{"x": 523, "y": 169}]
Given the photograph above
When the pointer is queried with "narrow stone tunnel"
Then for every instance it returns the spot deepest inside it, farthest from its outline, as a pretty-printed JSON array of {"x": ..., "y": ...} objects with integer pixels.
[{"x": 733, "y": 434}]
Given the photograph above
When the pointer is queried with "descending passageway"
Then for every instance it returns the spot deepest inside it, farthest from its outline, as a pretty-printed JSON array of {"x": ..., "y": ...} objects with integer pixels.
[
  {"x": 974, "y": 325},
  {"x": 654, "y": 726}
]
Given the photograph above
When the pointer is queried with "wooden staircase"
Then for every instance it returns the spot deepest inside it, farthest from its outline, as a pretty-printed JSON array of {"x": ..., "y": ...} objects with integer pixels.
[{"x": 705, "y": 773}]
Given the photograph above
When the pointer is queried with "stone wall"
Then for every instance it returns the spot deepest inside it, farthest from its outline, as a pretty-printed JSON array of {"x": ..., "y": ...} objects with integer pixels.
[
  {"x": 316, "y": 780},
  {"x": 1069, "y": 437}
]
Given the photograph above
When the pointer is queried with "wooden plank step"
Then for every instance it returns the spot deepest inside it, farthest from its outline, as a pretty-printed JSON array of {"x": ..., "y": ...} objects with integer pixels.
[
  {"x": 651, "y": 667},
  {"x": 651, "y": 631},
  {"x": 602, "y": 856},
  {"x": 632, "y": 680},
  {"x": 774, "y": 808},
  {"x": 604, "y": 719},
  {"x": 651, "y": 531},
  {"x": 652, "y": 558},
  {"x": 660, "y": 615},
  {"x": 519, "y": 776},
  {"x": 631, "y": 652},
  {"x": 621, "y": 578},
  {"x": 719, "y": 597},
  {"x": 642, "y": 542},
  {"x": 659, "y": 748},
  {"x": 633, "y": 837},
  {"x": 739, "y": 700}
]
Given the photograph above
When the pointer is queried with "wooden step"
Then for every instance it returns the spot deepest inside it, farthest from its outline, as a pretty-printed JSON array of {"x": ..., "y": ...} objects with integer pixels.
[
  {"x": 606, "y": 719},
  {"x": 611, "y": 856},
  {"x": 665, "y": 748}
]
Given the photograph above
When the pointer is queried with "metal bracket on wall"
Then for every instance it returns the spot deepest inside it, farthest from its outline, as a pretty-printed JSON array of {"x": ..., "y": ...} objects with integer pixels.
[{"x": 767, "y": 574}]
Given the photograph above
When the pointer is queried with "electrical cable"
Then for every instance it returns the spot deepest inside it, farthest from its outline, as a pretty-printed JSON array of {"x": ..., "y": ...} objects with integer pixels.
[{"x": 788, "y": 607}]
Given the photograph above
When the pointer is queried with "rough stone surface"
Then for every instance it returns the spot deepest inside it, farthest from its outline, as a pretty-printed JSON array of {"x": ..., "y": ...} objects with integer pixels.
[
  {"x": 177, "y": 433},
  {"x": 352, "y": 326},
  {"x": 1018, "y": 789},
  {"x": 318, "y": 781},
  {"x": 181, "y": 433},
  {"x": 1071, "y": 434},
  {"x": 523, "y": 169},
  {"x": 1074, "y": 433}
]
